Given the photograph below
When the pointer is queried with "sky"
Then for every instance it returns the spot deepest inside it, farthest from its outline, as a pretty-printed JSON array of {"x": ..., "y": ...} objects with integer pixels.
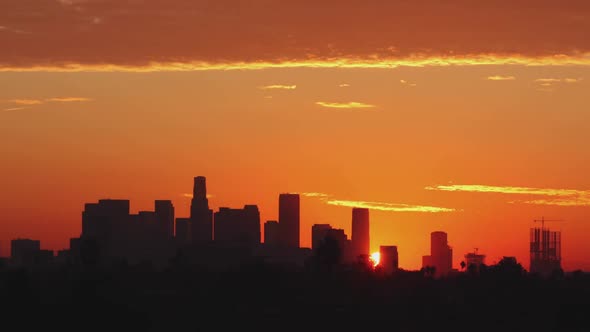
[{"x": 463, "y": 116}]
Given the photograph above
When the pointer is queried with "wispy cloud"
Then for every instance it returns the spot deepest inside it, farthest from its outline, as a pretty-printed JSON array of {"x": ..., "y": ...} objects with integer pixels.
[
  {"x": 31, "y": 102},
  {"x": 26, "y": 101},
  {"x": 68, "y": 99},
  {"x": 314, "y": 194},
  {"x": 344, "y": 85},
  {"x": 501, "y": 78},
  {"x": 5, "y": 28},
  {"x": 380, "y": 206},
  {"x": 278, "y": 87},
  {"x": 407, "y": 83},
  {"x": 187, "y": 195},
  {"x": 13, "y": 109},
  {"x": 352, "y": 104},
  {"x": 557, "y": 80},
  {"x": 392, "y": 207},
  {"x": 553, "y": 196}
]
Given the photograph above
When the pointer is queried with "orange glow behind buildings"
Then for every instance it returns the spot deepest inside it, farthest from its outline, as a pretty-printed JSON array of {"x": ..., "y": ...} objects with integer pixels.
[{"x": 469, "y": 121}]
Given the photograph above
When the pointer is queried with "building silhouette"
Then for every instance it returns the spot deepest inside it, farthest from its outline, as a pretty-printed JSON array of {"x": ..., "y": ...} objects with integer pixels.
[
  {"x": 441, "y": 254},
  {"x": 474, "y": 261},
  {"x": 322, "y": 233},
  {"x": 25, "y": 252},
  {"x": 388, "y": 259},
  {"x": 237, "y": 227},
  {"x": 201, "y": 216},
  {"x": 183, "y": 231},
  {"x": 360, "y": 232},
  {"x": 272, "y": 233},
  {"x": 318, "y": 234},
  {"x": 165, "y": 217},
  {"x": 289, "y": 219},
  {"x": 545, "y": 251}
]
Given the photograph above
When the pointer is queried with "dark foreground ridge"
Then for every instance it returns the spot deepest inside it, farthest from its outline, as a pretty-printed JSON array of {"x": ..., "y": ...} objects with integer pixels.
[{"x": 321, "y": 295}]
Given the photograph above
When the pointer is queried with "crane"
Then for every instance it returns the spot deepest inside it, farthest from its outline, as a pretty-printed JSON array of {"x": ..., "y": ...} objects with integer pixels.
[{"x": 543, "y": 220}]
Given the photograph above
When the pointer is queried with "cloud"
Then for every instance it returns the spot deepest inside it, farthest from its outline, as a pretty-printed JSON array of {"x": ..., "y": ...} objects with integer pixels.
[
  {"x": 349, "y": 105},
  {"x": 201, "y": 34},
  {"x": 380, "y": 206},
  {"x": 13, "y": 109},
  {"x": 68, "y": 99},
  {"x": 26, "y": 101},
  {"x": 560, "y": 197},
  {"x": 314, "y": 194},
  {"x": 407, "y": 83},
  {"x": 392, "y": 207},
  {"x": 188, "y": 195},
  {"x": 278, "y": 87},
  {"x": 344, "y": 85},
  {"x": 551, "y": 81},
  {"x": 501, "y": 78},
  {"x": 5, "y": 28}
]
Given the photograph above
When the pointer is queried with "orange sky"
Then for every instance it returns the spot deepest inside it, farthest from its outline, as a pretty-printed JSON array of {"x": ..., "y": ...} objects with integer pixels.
[{"x": 496, "y": 110}]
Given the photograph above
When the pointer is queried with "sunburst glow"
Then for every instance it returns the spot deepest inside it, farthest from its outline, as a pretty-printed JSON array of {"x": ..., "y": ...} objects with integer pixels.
[{"x": 375, "y": 258}]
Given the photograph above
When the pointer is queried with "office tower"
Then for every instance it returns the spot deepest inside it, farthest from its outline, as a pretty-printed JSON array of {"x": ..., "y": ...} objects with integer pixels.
[
  {"x": 201, "y": 215},
  {"x": 360, "y": 232},
  {"x": 318, "y": 234},
  {"x": 238, "y": 227},
  {"x": 289, "y": 219},
  {"x": 183, "y": 231},
  {"x": 441, "y": 254},
  {"x": 545, "y": 251},
  {"x": 272, "y": 233},
  {"x": 25, "y": 251},
  {"x": 165, "y": 218},
  {"x": 108, "y": 225},
  {"x": 388, "y": 259}
]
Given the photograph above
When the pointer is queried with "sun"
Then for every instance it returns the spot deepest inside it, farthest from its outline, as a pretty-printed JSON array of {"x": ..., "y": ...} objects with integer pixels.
[{"x": 375, "y": 258}]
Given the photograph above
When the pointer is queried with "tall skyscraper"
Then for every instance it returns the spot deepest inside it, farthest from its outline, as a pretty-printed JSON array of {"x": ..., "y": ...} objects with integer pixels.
[
  {"x": 289, "y": 219},
  {"x": 388, "y": 259},
  {"x": 360, "y": 232},
  {"x": 441, "y": 254},
  {"x": 201, "y": 215},
  {"x": 165, "y": 218}
]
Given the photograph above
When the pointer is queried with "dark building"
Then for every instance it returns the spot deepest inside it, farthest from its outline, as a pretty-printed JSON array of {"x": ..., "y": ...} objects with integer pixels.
[
  {"x": 237, "y": 227},
  {"x": 323, "y": 232},
  {"x": 272, "y": 233},
  {"x": 289, "y": 219},
  {"x": 183, "y": 231},
  {"x": 165, "y": 217},
  {"x": 545, "y": 251},
  {"x": 388, "y": 259},
  {"x": 474, "y": 261},
  {"x": 25, "y": 251},
  {"x": 201, "y": 216},
  {"x": 360, "y": 232},
  {"x": 441, "y": 254},
  {"x": 318, "y": 234}
]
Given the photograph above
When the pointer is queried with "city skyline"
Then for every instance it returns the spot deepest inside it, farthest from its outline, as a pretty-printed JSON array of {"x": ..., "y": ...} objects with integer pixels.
[
  {"x": 462, "y": 116},
  {"x": 158, "y": 235}
]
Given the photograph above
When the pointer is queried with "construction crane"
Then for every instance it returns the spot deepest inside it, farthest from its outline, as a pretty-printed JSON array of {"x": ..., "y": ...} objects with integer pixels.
[{"x": 543, "y": 220}]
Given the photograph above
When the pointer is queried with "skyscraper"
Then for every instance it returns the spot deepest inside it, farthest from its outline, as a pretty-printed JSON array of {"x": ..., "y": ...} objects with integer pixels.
[
  {"x": 201, "y": 215},
  {"x": 165, "y": 218},
  {"x": 388, "y": 259},
  {"x": 272, "y": 235},
  {"x": 360, "y": 232},
  {"x": 441, "y": 254},
  {"x": 289, "y": 219},
  {"x": 238, "y": 227}
]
